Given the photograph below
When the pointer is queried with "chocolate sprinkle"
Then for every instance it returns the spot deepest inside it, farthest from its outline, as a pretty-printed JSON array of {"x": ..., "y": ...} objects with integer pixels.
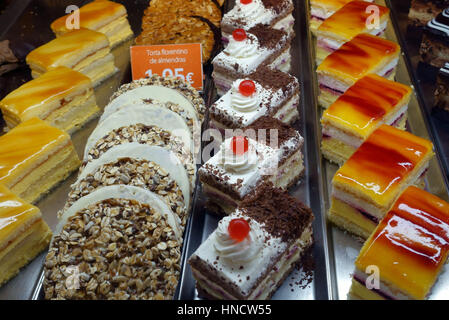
[
  {"x": 268, "y": 37},
  {"x": 273, "y": 79},
  {"x": 282, "y": 215},
  {"x": 284, "y": 131}
]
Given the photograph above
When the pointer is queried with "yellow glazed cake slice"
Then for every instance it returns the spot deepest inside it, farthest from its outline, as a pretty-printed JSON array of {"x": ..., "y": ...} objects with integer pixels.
[
  {"x": 363, "y": 55},
  {"x": 82, "y": 50},
  {"x": 62, "y": 97},
  {"x": 409, "y": 249},
  {"x": 103, "y": 16},
  {"x": 34, "y": 157},
  {"x": 352, "y": 19},
  {"x": 23, "y": 234},
  {"x": 366, "y": 186},
  {"x": 320, "y": 10},
  {"x": 369, "y": 103}
]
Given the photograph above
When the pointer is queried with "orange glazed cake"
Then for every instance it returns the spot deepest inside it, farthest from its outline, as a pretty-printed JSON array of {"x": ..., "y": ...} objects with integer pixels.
[
  {"x": 409, "y": 247},
  {"x": 320, "y": 10},
  {"x": 351, "y": 20},
  {"x": 363, "y": 55},
  {"x": 369, "y": 103},
  {"x": 62, "y": 97},
  {"x": 23, "y": 234},
  {"x": 34, "y": 157},
  {"x": 82, "y": 50},
  {"x": 103, "y": 16},
  {"x": 366, "y": 186}
]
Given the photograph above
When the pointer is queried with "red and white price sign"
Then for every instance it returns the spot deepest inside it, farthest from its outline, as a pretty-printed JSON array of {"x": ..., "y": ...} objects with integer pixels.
[{"x": 182, "y": 61}]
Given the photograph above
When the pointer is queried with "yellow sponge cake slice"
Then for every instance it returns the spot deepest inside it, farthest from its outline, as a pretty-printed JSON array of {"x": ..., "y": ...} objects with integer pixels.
[
  {"x": 23, "y": 234},
  {"x": 34, "y": 157},
  {"x": 62, "y": 97},
  {"x": 82, "y": 50},
  {"x": 103, "y": 16}
]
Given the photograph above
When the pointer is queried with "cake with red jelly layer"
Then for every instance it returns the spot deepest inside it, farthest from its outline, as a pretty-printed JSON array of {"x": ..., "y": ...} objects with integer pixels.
[
  {"x": 247, "y": 13},
  {"x": 320, "y": 10},
  {"x": 369, "y": 103},
  {"x": 409, "y": 247},
  {"x": 268, "y": 150},
  {"x": 363, "y": 55},
  {"x": 366, "y": 186},
  {"x": 247, "y": 50},
  {"x": 254, "y": 249},
  {"x": 352, "y": 19},
  {"x": 265, "y": 92}
]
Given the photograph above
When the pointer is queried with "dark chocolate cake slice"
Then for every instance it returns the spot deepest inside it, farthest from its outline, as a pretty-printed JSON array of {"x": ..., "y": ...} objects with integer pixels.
[
  {"x": 422, "y": 11},
  {"x": 442, "y": 90},
  {"x": 434, "y": 48}
]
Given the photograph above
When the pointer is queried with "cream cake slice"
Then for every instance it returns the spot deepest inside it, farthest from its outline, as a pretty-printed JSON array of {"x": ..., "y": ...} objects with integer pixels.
[
  {"x": 248, "y": 13},
  {"x": 107, "y": 17},
  {"x": 363, "y": 55},
  {"x": 34, "y": 158},
  {"x": 62, "y": 97},
  {"x": 134, "y": 234},
  {"x": 82, "y": 50},
  {"x": 369, "y": 103},
  {"x": 254, "y": 249},
  {"x": 350, "y": 20},
  {"x": 367, "y": 185},
  {"x": 247, "y": 50},
  {"x": 23, "y": 234},
  {"x": 265, "y": 92},
  {"x": 268, "y": 150},
  {"x": 409, "y": 247},
  {"x": 320, "y": 10}
]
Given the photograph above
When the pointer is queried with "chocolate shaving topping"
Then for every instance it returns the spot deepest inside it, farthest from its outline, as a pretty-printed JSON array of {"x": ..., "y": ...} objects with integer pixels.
[
  {"x": 268, "y": 37},
  {"x": 266, "y": 124},
  {"x": 273, "y": 79},
  {"x": 276, "y": 5},
  {"x": 282, "y": 215}
]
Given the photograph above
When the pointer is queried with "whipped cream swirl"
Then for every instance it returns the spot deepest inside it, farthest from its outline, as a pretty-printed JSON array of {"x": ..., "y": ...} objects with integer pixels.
[
  {"x": 240, "y": 252},
  {"x": 243, "y": 103},
  {"x": 243, "y": 49},
  {"x": 238, "y": 163},
  {"x": 252, "y": 11}
]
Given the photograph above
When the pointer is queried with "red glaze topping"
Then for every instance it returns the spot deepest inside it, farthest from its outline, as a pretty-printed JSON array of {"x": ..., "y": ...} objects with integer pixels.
[
  {"x": 247, "y": 88},
  {"x": 239, "y": 145},
  {"x": 246, "y": 1},
  {"x": 239, "y": 35},
  {"x": 238, "y": 229},
  {"x": 411, "y": 243}
]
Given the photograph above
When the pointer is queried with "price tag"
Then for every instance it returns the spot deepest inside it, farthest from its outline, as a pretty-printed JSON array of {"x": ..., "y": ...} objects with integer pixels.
[{"x": 182, "y": 61}]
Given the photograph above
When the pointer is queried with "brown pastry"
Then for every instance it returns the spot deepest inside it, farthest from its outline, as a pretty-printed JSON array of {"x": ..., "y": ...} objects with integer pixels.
[
  {"x": 169, "y": 28},
  {"x": 422, "y": 11}
]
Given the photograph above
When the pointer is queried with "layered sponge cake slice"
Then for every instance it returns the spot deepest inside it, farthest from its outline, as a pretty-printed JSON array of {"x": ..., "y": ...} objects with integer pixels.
[
  {"x": 103, "y": 16},
  {"x": 366, "y": 186},
  {"x": 254, "y": 249},
  {"x": 409, "y": 247},
  {"x": 35, "y": 157},
  {"x": 130, "y": 232},
  {"x": 62, "y": 97},
  {"x": 363, "y": 55},
  {"x": 369, "y": 103},
  {"x": 267, "y": 151},
  {"x": 82, "y": 50},
  {"x": 247, "y": 50},
  {"x": 320, "y": 10},
  {"x": 23, "y": 234},
  {"x": 351, "y": 20},
  {"x": 265, "y": 92}
]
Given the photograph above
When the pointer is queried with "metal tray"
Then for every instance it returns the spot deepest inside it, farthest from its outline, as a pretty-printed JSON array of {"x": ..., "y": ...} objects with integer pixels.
[{"x": 343, "y": 248}]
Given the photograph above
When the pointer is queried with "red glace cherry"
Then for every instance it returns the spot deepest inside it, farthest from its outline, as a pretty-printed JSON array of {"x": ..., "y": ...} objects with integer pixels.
[
  {"x": 239, "y": 35},
  {"x": 246, "y": 1},
  {"x": 240, "y": 145},
  {"x": 238, "y": 229},
  {"x": 247, "y": 88}
]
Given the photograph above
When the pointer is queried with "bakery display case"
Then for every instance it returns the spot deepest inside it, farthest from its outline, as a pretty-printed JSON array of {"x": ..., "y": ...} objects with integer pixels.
[{"x": 137, "y": 152}]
